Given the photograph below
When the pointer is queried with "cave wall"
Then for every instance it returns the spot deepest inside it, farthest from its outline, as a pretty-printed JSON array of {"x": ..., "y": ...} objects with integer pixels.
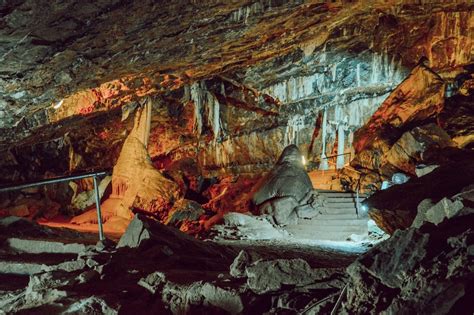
[{"x": 256, "y": 77}]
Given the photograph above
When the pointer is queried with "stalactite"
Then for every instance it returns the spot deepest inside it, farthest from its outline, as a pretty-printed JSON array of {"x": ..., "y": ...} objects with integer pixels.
[
  {"x": 294, "y": 126},
  {"x": 213, "y": 114},
  {"x": 317, "y": 128},
  {"x": 324, "y": 163},
  {"x": 197, "y": 96}
]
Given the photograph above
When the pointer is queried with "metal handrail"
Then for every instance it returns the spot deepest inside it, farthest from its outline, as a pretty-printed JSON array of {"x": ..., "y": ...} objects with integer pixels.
[
  {"x": 331, "y": 157},
  {"x": 335, "y": 155},
  {"x": 49, "y": 181}
]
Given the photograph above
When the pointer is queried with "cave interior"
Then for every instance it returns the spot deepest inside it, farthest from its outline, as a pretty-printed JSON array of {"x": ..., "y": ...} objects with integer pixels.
[{"x": 236, "y": 157}]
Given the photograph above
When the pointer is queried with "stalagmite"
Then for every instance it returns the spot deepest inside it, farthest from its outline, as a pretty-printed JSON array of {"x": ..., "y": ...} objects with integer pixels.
[{"x": 135, "y": 181}]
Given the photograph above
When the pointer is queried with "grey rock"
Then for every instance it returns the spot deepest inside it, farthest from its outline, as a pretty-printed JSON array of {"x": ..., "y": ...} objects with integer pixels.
[
  {"x": 284, "y": 188},
  {"x": 416, "y": 271},
  {"x": 446, "y": 208},
  {"x": 400, "y": 178},
  {"x": 44, "y": 246},
  {"x": 240, "y": 263},
  {"x": 68, "y": 266},
  {"x": 153, "y": 281},
  {"x": 272, "y": 275},
  {"x": 182, "y": 298},
  {"x": 91, "y": 305},
  {"x": 422, "y": 208},
  {"x": 136, "y": 233},
  {"x": 87, "y": 276},
  {"x": 422, "y": 170}
]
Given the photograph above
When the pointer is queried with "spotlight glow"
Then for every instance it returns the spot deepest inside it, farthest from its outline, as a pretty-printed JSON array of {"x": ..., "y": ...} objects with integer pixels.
[
  {"x": 303, "y": 159},
  {"x": 58, "y": 104}
]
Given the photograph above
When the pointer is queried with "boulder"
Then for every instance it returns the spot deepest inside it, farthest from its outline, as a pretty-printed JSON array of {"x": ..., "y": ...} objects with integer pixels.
[
  {"x": 145, "y": 233},
  {"x": 238, "y": 226},
  {"x": 446, "y": 208},
  {"x": 417, "y": 271},
  {"x": 264, "y": 276},
  {"x": 408, "y": 150},
  {"x": 153, "y": 281},
  {"x": 286, "y": 187},
  {"x": 419, "y": 97},
  {"x": 183, "y": 214},
  {"x": 201, "y": 298},
  {"x": 457, "y": 118},
  {"x": 90, "y": 305},
  {"x": 380, "y": 144},
  {"x": 396, "y": 207},
  {"x": 422, "y": 169}
]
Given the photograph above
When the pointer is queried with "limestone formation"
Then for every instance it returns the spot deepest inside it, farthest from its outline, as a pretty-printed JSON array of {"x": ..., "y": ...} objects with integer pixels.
[
  {"x": 285, "y": 193},
  {"x": 136, "y": 183}
]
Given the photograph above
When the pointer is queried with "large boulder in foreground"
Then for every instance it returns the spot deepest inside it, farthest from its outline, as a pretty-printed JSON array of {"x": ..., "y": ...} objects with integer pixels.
[
  {"x": 417, "y": 271},
  {"x": 396, "y": 207},
  {"x": 144, "y": 233}
]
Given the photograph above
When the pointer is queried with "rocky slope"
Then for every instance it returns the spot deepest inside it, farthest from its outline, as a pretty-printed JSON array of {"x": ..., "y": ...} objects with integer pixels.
[{"x": 425, "y": 270}]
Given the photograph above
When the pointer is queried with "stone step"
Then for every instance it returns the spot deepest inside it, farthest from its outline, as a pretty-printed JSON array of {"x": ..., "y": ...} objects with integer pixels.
[
  {"x": 342, "y": 199},
  {"x": 318, "y": 221},
  {"x": 339, "y": 211},
  {"x": 332, "y": 235},
  {"x": 28, "y": 264},
  {"x": 339, "y": 205},
  {"x": 337, "y": 216},
  {"x": 298, "y": 228},
  {"x": 38, "y": 246},
  {"x": 333, "y": 193}
]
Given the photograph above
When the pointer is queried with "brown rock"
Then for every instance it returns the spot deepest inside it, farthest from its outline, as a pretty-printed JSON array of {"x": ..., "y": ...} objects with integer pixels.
[
  {"x": 408, "y": 150},
  {"x": 418, "y": 97}
]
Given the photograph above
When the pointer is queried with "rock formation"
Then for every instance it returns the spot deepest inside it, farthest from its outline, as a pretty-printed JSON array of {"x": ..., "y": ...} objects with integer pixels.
[
  {"x": 397, "y": 207},
  {"x": 417, "y": 271},
  {"x": 136, "y": 183},
  {"x": 286, "y": 192}
]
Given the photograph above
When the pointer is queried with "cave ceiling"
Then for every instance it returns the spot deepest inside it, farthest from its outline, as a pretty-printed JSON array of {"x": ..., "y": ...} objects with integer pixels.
[{"x": 67, "y": 64}]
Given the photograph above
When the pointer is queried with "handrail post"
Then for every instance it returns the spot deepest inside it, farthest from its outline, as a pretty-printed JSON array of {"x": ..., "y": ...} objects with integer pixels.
[{"x": 97, "y": 205}]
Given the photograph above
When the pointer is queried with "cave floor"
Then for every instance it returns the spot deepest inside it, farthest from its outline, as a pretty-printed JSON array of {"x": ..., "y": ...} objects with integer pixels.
[{"x": 318, "y": 253}]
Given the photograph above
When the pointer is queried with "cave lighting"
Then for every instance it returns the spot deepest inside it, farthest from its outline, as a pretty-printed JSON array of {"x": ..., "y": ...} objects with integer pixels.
[{"x": 58, "y": 104}]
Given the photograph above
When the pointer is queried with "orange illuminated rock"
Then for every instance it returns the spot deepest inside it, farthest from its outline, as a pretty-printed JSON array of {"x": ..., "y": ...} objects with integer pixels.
[
  {"x": 418, "y": 97},
  {"x": 135, "y": 181}
]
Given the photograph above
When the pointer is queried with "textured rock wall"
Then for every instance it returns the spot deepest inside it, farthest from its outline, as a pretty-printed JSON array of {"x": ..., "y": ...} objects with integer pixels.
[{"x": 233, "y": 83}]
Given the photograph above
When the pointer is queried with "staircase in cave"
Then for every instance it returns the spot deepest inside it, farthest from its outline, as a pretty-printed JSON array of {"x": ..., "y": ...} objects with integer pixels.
[{"x": 337, "y": 222}]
